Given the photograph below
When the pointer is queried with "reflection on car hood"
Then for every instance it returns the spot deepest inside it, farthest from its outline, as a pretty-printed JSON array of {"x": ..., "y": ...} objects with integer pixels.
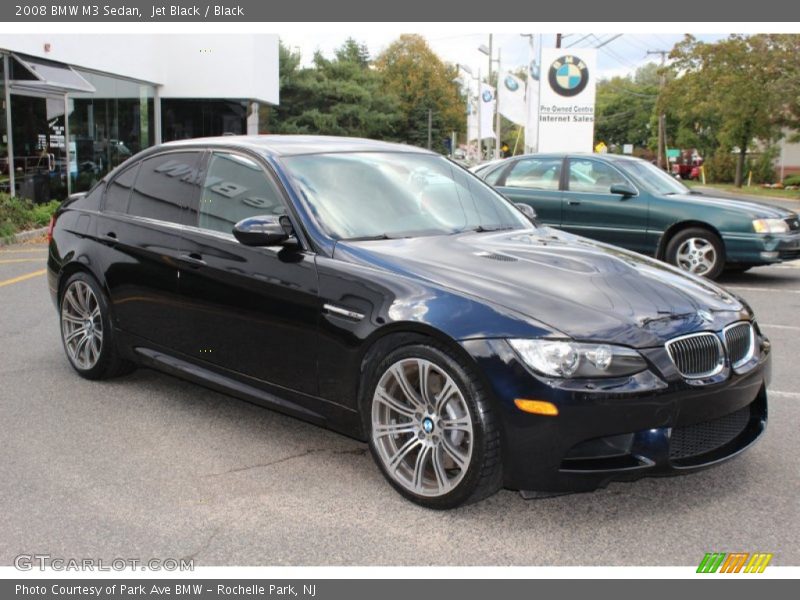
[
  {"x": 585, "y": 289},
  {"x": 756, "y": 210}
]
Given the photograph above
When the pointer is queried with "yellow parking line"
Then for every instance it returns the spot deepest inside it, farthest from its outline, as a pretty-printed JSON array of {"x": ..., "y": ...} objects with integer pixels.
[
  {"x": 22, "y": 277},
  {"x": 19, "y": 260},
  {"x": 18, "y": 251}
]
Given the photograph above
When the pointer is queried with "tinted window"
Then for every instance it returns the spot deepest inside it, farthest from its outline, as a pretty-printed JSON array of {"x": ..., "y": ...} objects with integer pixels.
[
  {"x": 236, "y": 188},
  {"x": 592, "y": 176},
  {"x": 165, "y": 185},
  {"x": 535, "y": 173},
  {"x": 119, "y": 190},
  {"x": 492, "y": 177},
  {"x": 91, "y": 201},
  {"x": 397, "y": 194}
]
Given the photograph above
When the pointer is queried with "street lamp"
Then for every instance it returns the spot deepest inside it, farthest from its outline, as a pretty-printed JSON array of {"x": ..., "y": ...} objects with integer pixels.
[{"x": 487, "y": 50}]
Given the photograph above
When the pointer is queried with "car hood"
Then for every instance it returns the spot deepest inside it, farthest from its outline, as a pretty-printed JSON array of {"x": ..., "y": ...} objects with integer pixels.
[
  {"x": 584, "y": 289},
  {"x": 756, "y": 210}
]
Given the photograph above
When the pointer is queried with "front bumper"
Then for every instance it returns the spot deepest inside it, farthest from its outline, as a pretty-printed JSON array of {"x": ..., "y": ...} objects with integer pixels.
[
  {"x": 756, "y": 249},
  {"x": 599, "y": 437}
]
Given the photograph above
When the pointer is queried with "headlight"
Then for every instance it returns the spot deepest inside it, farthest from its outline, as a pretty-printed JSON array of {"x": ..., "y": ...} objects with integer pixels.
[
  {"x": 562, "y": 358},
  {"x": 770, "y": 226}
]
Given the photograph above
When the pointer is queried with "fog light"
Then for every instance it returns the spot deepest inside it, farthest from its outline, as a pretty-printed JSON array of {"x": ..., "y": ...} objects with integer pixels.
[
  {"x": 537, "y": 407},
  {"x": 769, "y": 255}
]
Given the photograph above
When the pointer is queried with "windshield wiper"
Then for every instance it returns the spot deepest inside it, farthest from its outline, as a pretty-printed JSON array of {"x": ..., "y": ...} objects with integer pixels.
[
  {"x": 482, "y": 229},
  {"x": 368, "y": 238}
]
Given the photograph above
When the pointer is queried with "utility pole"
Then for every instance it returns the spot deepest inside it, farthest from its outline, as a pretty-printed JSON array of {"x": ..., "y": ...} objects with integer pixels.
[{"x": 661, "y": 159}]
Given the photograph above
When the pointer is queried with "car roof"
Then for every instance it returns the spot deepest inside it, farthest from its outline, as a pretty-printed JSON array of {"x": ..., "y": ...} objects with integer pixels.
[
  {"x": 291, "y": 145},
  {"x": 607, "y": 157}
]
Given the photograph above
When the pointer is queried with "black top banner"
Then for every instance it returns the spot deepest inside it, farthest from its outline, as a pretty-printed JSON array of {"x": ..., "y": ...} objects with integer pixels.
[{"x": 679, "y": 11}]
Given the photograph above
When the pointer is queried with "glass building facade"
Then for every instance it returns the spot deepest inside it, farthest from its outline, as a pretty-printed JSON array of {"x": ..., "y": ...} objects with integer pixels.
[{"x": 62, "y": 128}]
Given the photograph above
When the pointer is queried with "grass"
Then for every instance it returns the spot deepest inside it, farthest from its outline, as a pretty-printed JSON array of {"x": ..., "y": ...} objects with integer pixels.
[
  {"x": 18, "y": 214},
  {"x": 753, "y": 190}
]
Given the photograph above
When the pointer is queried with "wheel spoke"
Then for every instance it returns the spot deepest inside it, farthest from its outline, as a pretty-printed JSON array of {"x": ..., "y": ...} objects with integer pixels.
[
  {"x": 447, "y": 392},
  {"x": 402, "y": 381},
  {"x": 393, "y": 403},
  {"x": 74, "y": 333},
  {"x": 424, "y": 369},
  {"x": 393, "y": 429},
  {"x": 80, "y": 349},
  {"x": 439, "y": 471},
  {"x": 460, "y": 424},
  {"x": 72, "y": 301},
  {"x": 419, "y": 466},
  {"x": 458, "y": 458},
  {"x": 398, "y": 457}
]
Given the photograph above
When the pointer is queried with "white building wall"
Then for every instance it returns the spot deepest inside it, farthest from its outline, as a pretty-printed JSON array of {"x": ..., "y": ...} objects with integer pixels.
[{"x": 241, "y": 66}]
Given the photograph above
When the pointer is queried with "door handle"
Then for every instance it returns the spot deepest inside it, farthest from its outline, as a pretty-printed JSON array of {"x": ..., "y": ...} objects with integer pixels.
[
  {"x": 110, "y": 237},
  {"x": 193, "y": 259},
  {"x": 573, "y": 202}
]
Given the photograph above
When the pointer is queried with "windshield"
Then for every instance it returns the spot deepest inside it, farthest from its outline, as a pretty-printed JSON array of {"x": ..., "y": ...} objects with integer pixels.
[
  {"x": 653, "y": 179},
  {"x": 397, "y": 194}
]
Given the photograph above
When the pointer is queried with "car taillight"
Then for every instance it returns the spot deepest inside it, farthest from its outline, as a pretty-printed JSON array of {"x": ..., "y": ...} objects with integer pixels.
[{"x": 50, "y": 229}]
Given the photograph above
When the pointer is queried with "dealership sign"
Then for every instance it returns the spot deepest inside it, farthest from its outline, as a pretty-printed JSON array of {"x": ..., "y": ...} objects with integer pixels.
[{"x": 566, "y": 100}]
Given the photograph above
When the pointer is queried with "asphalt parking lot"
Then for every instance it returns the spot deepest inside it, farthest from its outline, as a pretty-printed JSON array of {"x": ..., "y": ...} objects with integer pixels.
[{"x": 148, "y": 466}]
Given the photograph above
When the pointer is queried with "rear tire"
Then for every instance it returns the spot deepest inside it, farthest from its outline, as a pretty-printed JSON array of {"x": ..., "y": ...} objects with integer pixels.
[
  {"x": 697, "y": 251},
  {"x": 431, "y": 428},
  {"x": 87, "y": 332}
]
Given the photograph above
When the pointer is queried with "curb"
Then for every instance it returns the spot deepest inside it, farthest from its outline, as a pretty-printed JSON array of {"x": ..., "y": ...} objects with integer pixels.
[{"x": 23, "y": 236}]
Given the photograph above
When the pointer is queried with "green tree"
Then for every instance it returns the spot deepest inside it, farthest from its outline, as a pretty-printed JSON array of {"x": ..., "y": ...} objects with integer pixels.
[
  {"x": 732, "y": 94},
  {"x": 625, "y": 108},
  {"x": 342, "y": 96},
  {"x": 417, "y": 76}
]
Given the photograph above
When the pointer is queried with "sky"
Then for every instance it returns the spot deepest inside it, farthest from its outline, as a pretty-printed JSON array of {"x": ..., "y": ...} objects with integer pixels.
[{"x": 620, "y": 56}]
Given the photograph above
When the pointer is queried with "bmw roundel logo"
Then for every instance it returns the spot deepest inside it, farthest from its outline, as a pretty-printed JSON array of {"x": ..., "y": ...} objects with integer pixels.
[
  {"x": 511, "y": 84},
  {"x": 487, "y": 96},
  {"x": 534, "y": 69},
  {"x": 568, "y": 76}
]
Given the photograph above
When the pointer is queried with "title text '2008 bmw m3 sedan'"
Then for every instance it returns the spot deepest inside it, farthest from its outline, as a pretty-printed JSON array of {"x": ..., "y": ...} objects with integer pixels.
[{"x": 385, "y": 292}]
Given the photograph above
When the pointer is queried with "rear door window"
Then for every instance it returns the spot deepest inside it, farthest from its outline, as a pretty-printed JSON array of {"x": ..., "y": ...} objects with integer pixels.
[
  {"x": 535, "y": 173},
  {"x": 165, "y": 186}
]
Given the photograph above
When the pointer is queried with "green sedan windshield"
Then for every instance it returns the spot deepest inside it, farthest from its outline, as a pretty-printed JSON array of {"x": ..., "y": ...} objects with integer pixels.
[
  {"x": 653, "y": 179},
  {"x": 397, "y": 194}
]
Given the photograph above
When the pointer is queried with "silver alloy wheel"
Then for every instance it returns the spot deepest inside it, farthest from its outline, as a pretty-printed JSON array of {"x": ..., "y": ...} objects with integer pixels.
[
  {"x": 81, "y": 325},
  {"x": 421, "y": 427},
  {"x": 696, "y": 255}
]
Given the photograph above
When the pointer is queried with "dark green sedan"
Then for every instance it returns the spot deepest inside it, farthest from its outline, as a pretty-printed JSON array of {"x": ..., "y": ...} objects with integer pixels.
[{"x": 631, "y": 203}]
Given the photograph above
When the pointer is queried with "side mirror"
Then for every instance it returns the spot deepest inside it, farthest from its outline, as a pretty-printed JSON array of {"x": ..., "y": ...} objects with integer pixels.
[
  {"x": 623, "y": 189},
  {"x": 265, "y": 230},
  {"x": 527, "y": 210}
]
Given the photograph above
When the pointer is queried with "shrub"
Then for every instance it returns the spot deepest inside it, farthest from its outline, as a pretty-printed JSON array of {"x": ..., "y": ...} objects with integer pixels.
[
  {"x": 763, "y": 166},
  {"x": 720, "y": 167},
  {"x": 19, "y": 214},
  {"x": 792, "y": 180}
]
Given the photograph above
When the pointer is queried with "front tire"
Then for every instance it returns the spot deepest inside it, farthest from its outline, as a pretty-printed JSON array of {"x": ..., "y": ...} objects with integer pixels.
[
  {"x": 87, "y": 331},
  {"x": 697, "y": 251},
  {"x": 432, "y": 430}
]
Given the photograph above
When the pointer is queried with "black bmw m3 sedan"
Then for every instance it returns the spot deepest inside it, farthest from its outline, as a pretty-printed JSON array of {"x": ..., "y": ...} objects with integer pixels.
[{"x": 387, "y": 293}]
